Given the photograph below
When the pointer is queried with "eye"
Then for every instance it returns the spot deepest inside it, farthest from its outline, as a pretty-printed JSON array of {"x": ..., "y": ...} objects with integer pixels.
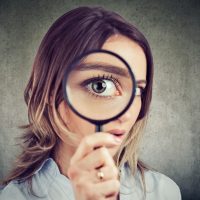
[{"x": 104, "y": 87}]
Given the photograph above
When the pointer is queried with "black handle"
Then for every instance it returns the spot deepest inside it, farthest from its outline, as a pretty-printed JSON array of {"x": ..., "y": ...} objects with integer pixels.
[{"x": 98, "y": 128}]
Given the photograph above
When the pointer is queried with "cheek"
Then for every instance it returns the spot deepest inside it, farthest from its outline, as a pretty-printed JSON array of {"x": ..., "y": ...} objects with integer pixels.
[
  {"x": 78, "y": 125},
  {"x": 136, "y": 107},
  {"x": 74, "y": 123}
]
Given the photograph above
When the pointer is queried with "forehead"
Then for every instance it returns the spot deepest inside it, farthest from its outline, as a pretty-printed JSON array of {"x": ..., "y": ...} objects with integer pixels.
[{"x": 130, "y": 51}]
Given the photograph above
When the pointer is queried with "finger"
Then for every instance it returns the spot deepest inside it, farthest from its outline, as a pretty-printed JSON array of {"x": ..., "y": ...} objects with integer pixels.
[
  {"x": 112, "y": 198},
  {"x": 108, "y": 189},
  {"x": 97, "y": 158},
  {"x": 108, "y": 174},
  {"x": 89, "y": 143},
  {"x": 88, "y": 165}
]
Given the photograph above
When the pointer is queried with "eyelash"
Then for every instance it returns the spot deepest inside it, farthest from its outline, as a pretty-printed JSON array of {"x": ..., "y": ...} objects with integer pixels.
[
  {"x": 110, "y": 78},
  {"x": 100, "y": 77}
]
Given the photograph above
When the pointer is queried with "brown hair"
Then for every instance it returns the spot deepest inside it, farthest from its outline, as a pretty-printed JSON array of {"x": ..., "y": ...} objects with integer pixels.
[{"x": 77, "y": 31}]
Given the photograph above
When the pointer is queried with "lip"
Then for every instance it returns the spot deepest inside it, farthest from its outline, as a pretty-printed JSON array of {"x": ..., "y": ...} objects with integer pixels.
[{"x": 117, "y": 132}]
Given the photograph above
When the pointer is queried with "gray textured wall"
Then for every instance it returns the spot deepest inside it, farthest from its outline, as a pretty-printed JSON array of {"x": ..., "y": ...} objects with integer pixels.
[{"x": 171, "y": 143}]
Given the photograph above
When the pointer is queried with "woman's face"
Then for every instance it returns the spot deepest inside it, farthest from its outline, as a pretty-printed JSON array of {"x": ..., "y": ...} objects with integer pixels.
[{"x": 135, "y": 57}]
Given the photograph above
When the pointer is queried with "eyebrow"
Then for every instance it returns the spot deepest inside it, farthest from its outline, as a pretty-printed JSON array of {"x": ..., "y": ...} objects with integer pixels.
[
  {"x": 107, "y": 68},
  {"x": 104, "y": 67}
]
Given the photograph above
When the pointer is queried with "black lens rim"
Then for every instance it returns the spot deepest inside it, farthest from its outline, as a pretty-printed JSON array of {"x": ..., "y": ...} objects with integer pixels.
[{"x": 70, "y": 67}]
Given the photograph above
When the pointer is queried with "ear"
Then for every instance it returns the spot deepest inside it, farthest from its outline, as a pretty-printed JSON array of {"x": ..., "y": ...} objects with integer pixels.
[{"x": 63, "y": 111}]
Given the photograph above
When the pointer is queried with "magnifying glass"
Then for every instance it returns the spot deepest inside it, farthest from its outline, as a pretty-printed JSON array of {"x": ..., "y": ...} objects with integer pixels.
[{"x": 99, "y": 86}]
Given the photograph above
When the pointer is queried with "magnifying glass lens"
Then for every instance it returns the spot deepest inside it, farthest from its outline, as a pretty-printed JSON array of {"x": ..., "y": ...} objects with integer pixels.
[{"x": 99, "y": 86}]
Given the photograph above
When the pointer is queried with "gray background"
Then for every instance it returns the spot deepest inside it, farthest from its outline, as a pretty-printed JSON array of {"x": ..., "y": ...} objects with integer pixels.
[{"x": 171, "y": 143}]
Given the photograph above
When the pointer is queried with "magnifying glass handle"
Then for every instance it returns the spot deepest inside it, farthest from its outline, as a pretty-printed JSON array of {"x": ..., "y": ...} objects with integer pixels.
[{"x": 98, "y": 128}]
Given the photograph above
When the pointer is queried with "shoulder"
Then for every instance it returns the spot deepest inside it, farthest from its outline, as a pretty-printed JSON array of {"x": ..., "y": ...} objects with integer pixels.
[
  {"x": 162, "y": 185},
  {"x": 158, "y": 185},
  {"x": 11, "y": 191},
  {"x": 45, "y": 183}
]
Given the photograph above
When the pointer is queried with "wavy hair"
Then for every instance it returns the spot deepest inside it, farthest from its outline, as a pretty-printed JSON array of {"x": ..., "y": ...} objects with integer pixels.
[{"x": 74, "y": 33}]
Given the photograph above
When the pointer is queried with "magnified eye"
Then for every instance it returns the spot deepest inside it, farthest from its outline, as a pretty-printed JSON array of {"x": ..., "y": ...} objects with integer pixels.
[{"x": 102, "y": 86}]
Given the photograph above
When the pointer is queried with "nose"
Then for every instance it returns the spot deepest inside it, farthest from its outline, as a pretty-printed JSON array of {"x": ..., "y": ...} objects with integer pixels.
[{"x": 125, "y": 117}]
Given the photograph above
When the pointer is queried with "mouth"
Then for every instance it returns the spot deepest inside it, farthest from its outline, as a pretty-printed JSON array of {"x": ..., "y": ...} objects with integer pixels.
[{"x": 117, "y": 133}]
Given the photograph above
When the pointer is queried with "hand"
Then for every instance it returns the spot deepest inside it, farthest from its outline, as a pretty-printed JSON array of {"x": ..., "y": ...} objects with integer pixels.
[{"x": 91, "y": 156}]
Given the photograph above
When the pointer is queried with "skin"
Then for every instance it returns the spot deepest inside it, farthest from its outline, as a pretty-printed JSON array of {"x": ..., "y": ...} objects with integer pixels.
[{"x": 80, "y": 164}]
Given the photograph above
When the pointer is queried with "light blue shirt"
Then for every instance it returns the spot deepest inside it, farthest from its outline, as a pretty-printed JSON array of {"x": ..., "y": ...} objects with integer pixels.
[{"x": 49, "y": 184}]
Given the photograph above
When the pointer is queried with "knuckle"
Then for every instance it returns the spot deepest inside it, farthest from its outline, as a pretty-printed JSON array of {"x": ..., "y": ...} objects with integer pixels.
[
  {"x": 99, "y": 162},
  {"x": 102, "y": 155},
  {"x": 87, "y": 142},
  {"x": 103, "y": 151},
  {"x": 105, "y": 156}
]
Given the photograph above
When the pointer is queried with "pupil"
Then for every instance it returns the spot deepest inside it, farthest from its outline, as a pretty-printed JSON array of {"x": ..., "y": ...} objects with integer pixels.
[{"x": 99, "y": 86}]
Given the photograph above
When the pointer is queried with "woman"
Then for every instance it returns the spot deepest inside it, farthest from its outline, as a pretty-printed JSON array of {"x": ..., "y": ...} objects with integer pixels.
[{"x": 62, "y": 157}]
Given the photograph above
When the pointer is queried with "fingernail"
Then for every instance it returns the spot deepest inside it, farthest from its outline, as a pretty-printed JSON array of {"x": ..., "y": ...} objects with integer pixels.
[{"x": 117, "y": 140}]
